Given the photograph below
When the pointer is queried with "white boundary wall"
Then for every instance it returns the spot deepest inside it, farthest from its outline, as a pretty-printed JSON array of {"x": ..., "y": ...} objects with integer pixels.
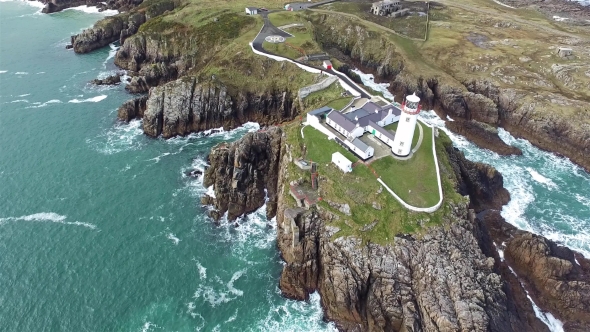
[
  {"x": 440, "y": 192},
  {"x": 309, "y": 69}
]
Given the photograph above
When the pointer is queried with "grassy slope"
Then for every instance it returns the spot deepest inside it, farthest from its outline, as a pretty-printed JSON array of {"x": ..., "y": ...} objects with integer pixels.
[
  {"x": 360, "y": 189},
  {"x": 412, "y": 180}
]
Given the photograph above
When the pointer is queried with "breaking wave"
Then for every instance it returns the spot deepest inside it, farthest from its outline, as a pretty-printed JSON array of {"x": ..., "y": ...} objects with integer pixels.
[
  {"x": 550, "y": 195},
  {"x": 89, "y": 100},
  {"x": 47, "y": 217},
  {"x": 121, "y": 137}
]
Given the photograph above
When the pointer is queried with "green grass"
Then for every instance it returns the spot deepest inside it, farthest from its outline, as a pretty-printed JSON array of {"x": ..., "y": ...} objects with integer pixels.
[
  {"x": 412, "y": 180},
  {"x": 320, "y": 149},
  {"x": 359, "y": 189},
  {"x": 339, "y": 103},
  {"x": 300, "y": 44},
  {"x": 317, "y": 99}
]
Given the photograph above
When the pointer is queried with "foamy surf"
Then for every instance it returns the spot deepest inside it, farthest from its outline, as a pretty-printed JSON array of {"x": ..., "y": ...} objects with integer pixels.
[
  {"x": 369, "y": 80},
  {"x": 3, "y": 71},
  {"x": 94, "y": 10},
  {"x": 538, "y": 203},
  {"x": 121, "y": 137},
  {"x": 47, "y": 103},
  {"x": 541, "y": 179},
  {"x": 89, "y": 100},
  {"x": 47, "y": 217},
  {"x": 173, "y": 238}
]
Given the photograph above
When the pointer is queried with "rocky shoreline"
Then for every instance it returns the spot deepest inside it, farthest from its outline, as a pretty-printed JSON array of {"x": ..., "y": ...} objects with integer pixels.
[
  {"x": 452, "y": 277},
  {"x": 473, "y": 273}
]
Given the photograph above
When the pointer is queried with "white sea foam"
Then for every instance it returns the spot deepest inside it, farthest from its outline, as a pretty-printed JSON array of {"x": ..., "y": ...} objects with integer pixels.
[
  {"x": 21, "y": 73},
  {"x": 547, "y": 318},
  {"x": 94, "y": 10},
  {"x": 112, "y": 53},
  {"x": 19, "y": 101},
  {"x": 202, "y": 271},
  {"x": 121, "y": 137},
  {"x": 39, "y": 105},
  {"x": 173, "y": 237},
  {"x": 35, "y": 4},
  {"x": 3, "y": 71},
  {"x": 232, "y": 317},
  {"x": 89, "y": 100},
  {"x": 541, "y": 179},
  {"x": 369, "y": 80},
  {"x": 583, "y": 199},
  {"x": 47, "y": 217},
  {"x": 297, "y": 316},
  {"x": 148, "y": 327},
  {"x": 230, "y": 284}
]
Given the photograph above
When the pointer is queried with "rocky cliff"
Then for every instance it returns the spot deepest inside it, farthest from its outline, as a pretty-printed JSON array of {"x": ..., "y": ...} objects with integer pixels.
[
  {"x": 188, "y": 105},
  {"x": 448, "y": 278},
  {"x": 244, "y": 174},
  {"x": 52, "y": 6},
  {"x": 118, "y": 27}
]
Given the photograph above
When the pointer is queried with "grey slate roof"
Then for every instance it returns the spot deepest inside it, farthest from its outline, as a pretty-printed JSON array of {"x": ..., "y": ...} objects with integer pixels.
[
  {"x": 371, "y": 107},
  {"x": 382, "y": 130},
  {"x": 360, "y": 144},
  {"x": 320, "y": 111},
  {"x": 341, "y": 120},
  {"x": 359, "y": 112}
]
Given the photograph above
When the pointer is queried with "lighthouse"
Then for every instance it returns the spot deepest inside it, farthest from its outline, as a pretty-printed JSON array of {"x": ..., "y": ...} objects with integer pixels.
[{"x": 402, "y": 143}]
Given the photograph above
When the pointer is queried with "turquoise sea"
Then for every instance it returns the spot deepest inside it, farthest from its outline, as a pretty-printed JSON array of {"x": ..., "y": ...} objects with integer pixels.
[{"x": 100, "y": 230}]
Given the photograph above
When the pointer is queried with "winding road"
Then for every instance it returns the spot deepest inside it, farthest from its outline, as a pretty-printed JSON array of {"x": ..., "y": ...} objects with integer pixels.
[{"x": 268, "y": 29}]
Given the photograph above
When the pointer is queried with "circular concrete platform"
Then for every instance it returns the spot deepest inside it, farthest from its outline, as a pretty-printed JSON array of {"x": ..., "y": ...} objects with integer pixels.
[{"x": 275, "y": 39}]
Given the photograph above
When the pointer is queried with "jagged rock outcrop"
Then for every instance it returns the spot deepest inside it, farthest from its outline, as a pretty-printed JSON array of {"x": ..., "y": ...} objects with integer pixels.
[
  {"x": 437, "y": 282},
  {"x": 187, "y": 105},
  {"x": 52, "y": 6},
  {"x": 557, "y": 278},
  {"x": 132, "y": 109},
  {"x": 483, "y": 183},
  {"x": 483, "y": 135},
  {"x": 105, "y": 31},
  {"x": 118, "y": 27},
  {"x": 109, "y": 80},
  {"x": 245, "y": 173}
]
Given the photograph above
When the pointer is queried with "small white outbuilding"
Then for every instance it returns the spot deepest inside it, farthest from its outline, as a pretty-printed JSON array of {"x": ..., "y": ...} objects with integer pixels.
[
  {"x": 251, "y": 10},
  {"x": 342, "y": 162}
]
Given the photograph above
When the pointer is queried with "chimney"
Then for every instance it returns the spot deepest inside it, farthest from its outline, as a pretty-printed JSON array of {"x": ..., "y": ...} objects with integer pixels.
[{"x": 356, "y": 118}]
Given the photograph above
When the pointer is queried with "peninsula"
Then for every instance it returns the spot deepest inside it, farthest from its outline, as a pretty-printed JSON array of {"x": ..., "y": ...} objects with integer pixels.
[{"x": 375, "y": 210}]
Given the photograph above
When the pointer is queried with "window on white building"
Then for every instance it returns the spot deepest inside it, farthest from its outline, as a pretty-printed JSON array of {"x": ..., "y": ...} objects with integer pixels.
[
  {"x": 407, "y": 119},
  {"x": 401, "y": 143},
  {"x": 399, "y": 151}
]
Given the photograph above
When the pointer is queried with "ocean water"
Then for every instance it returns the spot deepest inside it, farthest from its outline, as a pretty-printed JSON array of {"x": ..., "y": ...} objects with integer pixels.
[{"x": 100, "y": 230}]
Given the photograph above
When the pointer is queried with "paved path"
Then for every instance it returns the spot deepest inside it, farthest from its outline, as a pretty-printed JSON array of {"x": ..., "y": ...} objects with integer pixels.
[
  {"x": 290, "y": 26},
  {"x": 268, "y": 29}
]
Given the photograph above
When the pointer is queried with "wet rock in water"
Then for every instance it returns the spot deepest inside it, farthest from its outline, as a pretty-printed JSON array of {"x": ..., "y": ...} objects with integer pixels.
[
  {"x": 69, "y": 46},
  {"x": 110, "y": 80},
  {"x": 195, "y": 173},
  {"x": 483, "y": 135}
]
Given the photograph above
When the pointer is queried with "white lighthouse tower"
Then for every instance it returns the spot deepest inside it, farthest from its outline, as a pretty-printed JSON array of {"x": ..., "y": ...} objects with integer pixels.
[{"x": 402, "y": 143}]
